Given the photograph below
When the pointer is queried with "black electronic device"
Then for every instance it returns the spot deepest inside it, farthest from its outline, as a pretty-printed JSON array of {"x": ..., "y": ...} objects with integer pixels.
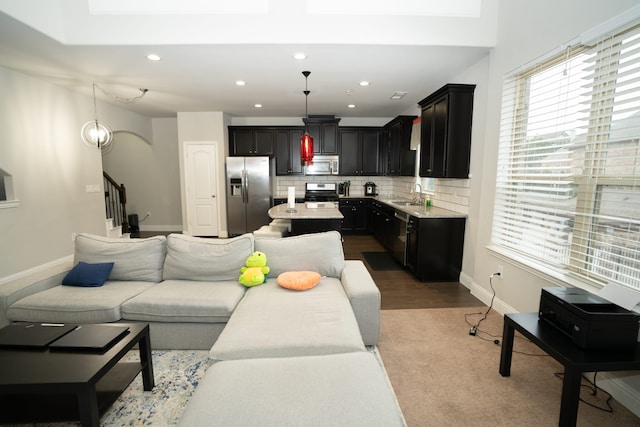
[
  {"x": 590, "y": 321},
  {"x": 370, "y": 189}
]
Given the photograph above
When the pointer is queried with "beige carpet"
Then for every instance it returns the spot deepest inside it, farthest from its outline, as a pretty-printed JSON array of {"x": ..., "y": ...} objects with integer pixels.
[{"x": 442, "y": 376}]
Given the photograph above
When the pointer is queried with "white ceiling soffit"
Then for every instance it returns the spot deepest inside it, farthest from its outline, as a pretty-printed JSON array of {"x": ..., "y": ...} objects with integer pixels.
[
  {"x": 130, "y": 22},
  {"x": 469, "y": 8},
  {"x": 203, "y": 55}
]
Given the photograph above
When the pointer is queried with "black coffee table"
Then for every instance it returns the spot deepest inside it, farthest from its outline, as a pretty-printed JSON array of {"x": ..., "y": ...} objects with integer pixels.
[
  {"x": 575, "y": 360},
  {"x": 53, "y": 385}
]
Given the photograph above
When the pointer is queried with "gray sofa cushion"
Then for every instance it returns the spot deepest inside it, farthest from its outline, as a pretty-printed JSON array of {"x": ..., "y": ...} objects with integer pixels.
[
  {"x": 134, "y": 259},
  {"x": 271, "y": 321},
  {"x": 319, "y": 252},
  {"x": 70, "y": 304},
  {"x": 196, "y": 258},
  {"x": 334, "y": 390},
  {"x": 185, "y": 301}
]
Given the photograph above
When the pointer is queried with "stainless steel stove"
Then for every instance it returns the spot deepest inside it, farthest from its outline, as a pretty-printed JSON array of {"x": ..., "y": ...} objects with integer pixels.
[{"x": 321, "y": 192}]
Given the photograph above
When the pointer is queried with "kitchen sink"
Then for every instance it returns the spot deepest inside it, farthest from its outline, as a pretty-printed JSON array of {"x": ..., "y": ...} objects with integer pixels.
[{"x": 405, "y": 203}]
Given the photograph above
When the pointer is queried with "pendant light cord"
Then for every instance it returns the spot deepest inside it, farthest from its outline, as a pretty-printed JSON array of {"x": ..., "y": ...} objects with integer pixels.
[
  {"x": 119, "y": 99},
  {"x": 306, "y": 99}
]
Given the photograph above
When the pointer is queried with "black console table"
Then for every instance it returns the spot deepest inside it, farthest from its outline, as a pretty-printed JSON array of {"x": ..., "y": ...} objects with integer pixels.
[{"x": 575, "y": 360}]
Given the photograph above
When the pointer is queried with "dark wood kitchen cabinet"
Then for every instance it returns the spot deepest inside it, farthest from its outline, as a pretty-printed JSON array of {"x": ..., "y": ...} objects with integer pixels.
[
  {"x": 434, "y": 248},
  {"x": 251, "y": 141},
  {"x": 360, "y": 151},
  {"x": 446, "y": 132},
  {"x": 324, "y": 130},
  {"x": 399, "y": 160},
  {"x": 356, "y": 215},
  {"x": 287, "y": 151}
]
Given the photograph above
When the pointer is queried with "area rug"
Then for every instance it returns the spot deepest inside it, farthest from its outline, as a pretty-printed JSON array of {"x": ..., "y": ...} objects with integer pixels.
[
  {"x": 381, "y": 261},
  {"x": 176, "y": 372}
]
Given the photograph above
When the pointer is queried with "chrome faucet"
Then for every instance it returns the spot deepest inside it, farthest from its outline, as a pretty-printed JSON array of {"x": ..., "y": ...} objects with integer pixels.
[{"x": 419, "y": 198}]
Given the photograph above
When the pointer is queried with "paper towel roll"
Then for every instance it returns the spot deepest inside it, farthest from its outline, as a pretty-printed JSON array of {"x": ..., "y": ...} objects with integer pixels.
[{"x": 291, "y": 197}]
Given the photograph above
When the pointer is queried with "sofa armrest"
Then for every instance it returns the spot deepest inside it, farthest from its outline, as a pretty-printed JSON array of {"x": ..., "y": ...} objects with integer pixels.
[
  {"x": 364, "y": 296},
  {"x": 16, "y": 288}
]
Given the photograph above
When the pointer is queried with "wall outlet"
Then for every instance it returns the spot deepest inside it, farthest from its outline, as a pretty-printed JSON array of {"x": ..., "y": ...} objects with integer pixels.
[
  {"x": 501, "y": 271},
  {"x": 148, "y": 214}
]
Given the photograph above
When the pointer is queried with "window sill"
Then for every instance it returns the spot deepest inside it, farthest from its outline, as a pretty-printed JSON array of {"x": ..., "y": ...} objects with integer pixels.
[{"x": 9, "y": 204}]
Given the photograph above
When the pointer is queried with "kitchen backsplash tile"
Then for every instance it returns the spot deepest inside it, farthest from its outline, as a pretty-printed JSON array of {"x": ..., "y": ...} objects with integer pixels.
[{"x": 452, "y": 194}]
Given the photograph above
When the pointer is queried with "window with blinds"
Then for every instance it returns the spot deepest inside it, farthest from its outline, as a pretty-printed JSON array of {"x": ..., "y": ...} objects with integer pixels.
[{"x": 568, "y": 181}]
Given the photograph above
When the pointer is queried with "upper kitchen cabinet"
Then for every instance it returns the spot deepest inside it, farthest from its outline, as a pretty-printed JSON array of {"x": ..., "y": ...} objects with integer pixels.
[
  {"x": 251, "y": 141},
  {"x": 324, "y": 130},
  {"x": 446, "y": 132},
  {"x": 360, "y": 150},
  {"x": 288, "y": 161},
  {"x": 400, "y": 159}
]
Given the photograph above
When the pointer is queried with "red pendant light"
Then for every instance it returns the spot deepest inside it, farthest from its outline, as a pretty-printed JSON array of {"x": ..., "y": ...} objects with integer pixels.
[
  {"x": 306, "y": 148},
  {"x": 306, "y": 140}
]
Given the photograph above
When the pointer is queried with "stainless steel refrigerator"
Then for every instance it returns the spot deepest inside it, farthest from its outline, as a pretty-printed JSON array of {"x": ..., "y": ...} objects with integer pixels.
[{"x": 250, "y": 183}]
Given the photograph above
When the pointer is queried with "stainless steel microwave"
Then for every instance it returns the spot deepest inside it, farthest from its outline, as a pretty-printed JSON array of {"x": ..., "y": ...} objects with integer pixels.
[{"x": 323, "y": 165}]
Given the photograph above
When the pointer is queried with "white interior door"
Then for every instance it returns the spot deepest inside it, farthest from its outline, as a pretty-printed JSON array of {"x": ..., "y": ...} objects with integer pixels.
[{"x": 201, "y": 189}]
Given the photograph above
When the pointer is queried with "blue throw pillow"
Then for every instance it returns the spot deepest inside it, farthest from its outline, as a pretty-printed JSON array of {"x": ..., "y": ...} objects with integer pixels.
[{"x": 88, "y": 275}]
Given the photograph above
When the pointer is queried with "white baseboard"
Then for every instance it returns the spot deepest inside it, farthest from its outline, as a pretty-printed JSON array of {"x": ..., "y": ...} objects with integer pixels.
[
  {"x": 485, "y": 295},
  {"x": 618, "y": 385}
]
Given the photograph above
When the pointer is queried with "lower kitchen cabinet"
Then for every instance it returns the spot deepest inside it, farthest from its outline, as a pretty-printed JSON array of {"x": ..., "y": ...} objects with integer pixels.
[
  {"x": 356, "y": 215},
  {"x": 434, "y": 248}
]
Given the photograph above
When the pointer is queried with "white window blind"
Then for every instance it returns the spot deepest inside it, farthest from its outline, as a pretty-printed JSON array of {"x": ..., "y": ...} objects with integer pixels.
[{"x": 568, "y": 182}]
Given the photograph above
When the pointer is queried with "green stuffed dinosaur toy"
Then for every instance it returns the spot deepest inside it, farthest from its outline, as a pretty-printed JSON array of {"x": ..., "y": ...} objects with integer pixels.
[{"x": 255, "y": 271}]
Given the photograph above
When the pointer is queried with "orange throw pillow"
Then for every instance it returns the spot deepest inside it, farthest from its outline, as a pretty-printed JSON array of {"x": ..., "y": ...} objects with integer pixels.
[{"x": 298, "y": 280}]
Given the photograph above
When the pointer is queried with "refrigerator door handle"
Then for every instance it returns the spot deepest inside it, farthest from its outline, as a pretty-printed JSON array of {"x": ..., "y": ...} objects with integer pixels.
[{"x": 245, "y": 187}]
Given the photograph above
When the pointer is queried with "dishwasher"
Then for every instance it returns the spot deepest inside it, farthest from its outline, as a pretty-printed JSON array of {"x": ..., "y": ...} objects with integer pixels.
[{"x": 399, "y": 237}]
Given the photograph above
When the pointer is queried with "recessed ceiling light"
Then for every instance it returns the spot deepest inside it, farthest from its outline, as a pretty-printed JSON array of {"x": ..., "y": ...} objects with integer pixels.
[
  {"x": 364, "y": 83},
  {"x": 398, "y": 95},
  {"x": 299, "y": 56},
  {"x": 258, "y": 105},
  {"x": 351, "y": 105},
  {"x": 153, "y": 57},
  {"x": 240, "y": 83}
]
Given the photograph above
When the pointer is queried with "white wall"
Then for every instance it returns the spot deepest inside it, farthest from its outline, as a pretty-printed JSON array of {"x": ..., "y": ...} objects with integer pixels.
[
  {"x": 526, "y": 30},
  {"x": 40, "y": 147},
  {"x": 150, "y": 174}
]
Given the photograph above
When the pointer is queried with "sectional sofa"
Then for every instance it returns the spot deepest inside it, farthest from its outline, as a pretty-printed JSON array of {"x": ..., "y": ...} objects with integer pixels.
[{"x": 300, "y": 357}]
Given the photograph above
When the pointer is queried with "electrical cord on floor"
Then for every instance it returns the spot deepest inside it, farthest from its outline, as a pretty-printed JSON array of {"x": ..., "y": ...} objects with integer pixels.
[
  {"x": 473, "y": 331},
  {"x": 594, "y": 392},
  {"x": 475, "y": 328}
]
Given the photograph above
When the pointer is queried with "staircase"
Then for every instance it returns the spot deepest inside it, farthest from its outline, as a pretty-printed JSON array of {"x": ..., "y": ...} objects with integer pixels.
[{"x": 115, "y": 200}]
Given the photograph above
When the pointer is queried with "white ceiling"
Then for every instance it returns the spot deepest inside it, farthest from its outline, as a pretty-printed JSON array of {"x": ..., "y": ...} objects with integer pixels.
[{"x": 78, "y": 42}]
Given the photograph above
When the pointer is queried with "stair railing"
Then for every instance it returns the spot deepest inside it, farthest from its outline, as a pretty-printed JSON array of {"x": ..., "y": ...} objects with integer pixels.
[{"x": 115, "y": 196}]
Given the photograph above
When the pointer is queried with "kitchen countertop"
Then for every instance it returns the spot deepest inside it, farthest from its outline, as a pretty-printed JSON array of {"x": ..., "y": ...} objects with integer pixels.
[
  {"x": 305, "y": 211},
  {"x": 420, "y": 211}
]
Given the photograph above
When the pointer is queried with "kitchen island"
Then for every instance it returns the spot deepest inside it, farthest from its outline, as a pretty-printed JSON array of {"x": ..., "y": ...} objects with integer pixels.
[{"x": 309, "y": 217}]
